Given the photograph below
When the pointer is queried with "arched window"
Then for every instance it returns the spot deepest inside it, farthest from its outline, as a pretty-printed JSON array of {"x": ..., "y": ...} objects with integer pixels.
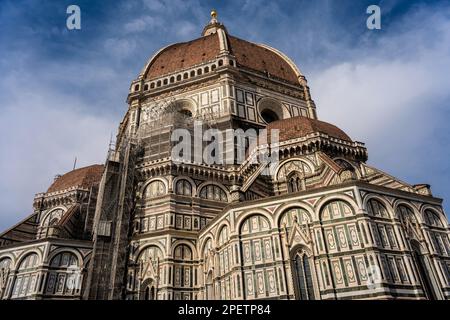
[
  {"x": 25, "y": 283},
  {"x": 301, "y": 265},
  {"x": 183, "y": 269},
  {"x": 223, "y": 235},
  {"x": 185, "y": 75},
  {"x": 64, "y": 260},
  {"x": 183, "y": 252},
  {"x": 179, "y": 77},
  {"x": 438, "y": 236},
  {"x": 199, "y": 72},
  {"x": 432, "y": 219},
  {"x": 213, "y": 192},
  {"x": 146, "y": 87},
  {"x": 158, "y": 83},
  {"x": 336, "y": 209},
  {"x": 149, "y": 293},
  {"x": 165, "y": 81},
  {"x": 183, "y": 187},
  {"x": 377, "y": 209},
  {"x": 213, "y": 67},
  {"x": 192, "y": 73},
  {"x": 152, "y": 85},
  {"x": 172, "y": 79},
  {"x": 220, "y": 62},
  {"x": 155, "y": 189},
  {"x": 136, "y": 87},
  {"x": 64, "y": 277},
  {"x": 206, "y": 69}
]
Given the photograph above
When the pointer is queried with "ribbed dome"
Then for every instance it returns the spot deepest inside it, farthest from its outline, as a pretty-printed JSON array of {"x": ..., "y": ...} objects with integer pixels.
[
  {"x": 250, "y": 56},
  {"x": 81, "y": 178},
  {"x": 298, "y": 127}
]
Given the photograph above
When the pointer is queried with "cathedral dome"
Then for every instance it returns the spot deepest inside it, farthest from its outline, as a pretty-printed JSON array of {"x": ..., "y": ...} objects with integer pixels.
[
  {"x": 300, "y": 126},
  {"x": 80, "y": 178},
  {"x": 214, "y": 43}
]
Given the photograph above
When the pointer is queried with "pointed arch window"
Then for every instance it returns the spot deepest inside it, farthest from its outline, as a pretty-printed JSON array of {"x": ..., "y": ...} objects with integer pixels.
[
  {"x": 149, "y": 293},
  {"x": 303, "y": 281}
]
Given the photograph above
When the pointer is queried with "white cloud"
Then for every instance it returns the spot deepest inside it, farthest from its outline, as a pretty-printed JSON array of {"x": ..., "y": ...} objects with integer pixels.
[
  {"x": 155, "y": 5},
  {"x": 390, "y": 95},
  {"x": 40, "y": 142},
  {"x": 120, "y": 47},
  {"x": 43, "y": 127}
]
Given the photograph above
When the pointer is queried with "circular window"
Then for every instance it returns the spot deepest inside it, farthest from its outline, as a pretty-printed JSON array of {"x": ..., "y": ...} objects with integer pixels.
[
  {"x": 271, "y": 110},
  {"x": 269, "y": 116}
]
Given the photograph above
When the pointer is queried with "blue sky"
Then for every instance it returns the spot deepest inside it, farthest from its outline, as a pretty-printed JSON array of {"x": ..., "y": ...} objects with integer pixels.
[{"x": 62, "y": 93}]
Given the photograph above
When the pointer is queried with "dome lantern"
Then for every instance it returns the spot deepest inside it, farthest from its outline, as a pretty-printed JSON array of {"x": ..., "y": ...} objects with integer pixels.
[{"x": 213, "y": 25}]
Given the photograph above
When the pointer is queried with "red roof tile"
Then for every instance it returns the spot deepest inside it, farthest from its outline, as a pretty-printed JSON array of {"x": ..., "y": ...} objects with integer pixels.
[
  {"x": 184, "y": 55},
  {"x": 300, "y": 126},
  {"x": 248, "y": 56},
  {"x": 81, "y": 178},
  {"x": 255, "y": 57}
]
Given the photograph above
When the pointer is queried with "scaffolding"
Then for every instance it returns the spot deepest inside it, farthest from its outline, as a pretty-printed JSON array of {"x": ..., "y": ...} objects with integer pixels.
[{"x": 158, "y": 123}]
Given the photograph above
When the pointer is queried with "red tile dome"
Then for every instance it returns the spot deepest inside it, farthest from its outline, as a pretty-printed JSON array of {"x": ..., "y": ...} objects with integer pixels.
[
  {"x": 83, "y": 178},
  {"x": 249, "y": 56},
  {"x": 298, "y": 127}
]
